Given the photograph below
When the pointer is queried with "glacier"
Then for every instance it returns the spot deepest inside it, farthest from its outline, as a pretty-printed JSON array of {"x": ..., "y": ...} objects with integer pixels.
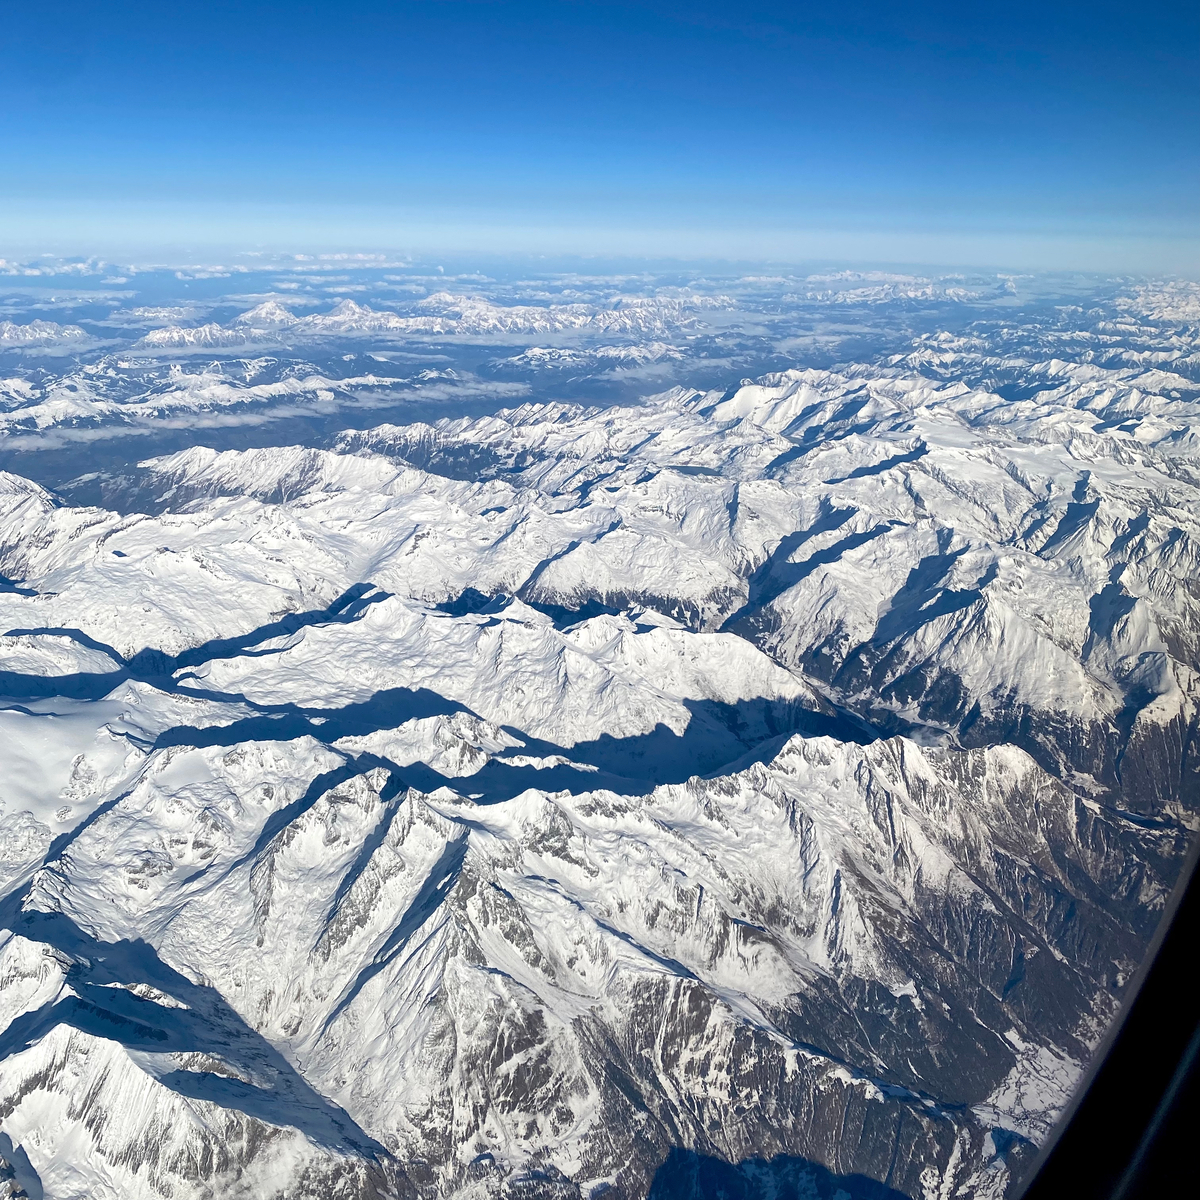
[{"x": 437, "y": 764}]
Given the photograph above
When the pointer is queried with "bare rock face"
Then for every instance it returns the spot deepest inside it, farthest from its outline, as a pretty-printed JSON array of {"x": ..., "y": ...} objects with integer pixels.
[{"x": 770, "y": 790}]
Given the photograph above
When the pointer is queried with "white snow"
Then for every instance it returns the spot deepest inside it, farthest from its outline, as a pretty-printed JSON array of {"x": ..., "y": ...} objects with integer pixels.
[{"x": 735, "y": 750}]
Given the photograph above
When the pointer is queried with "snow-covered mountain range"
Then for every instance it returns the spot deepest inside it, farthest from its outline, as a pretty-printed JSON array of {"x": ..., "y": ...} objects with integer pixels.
[
  {"x": 40, "y": 333},
  {"x": 551, "y": 798},
  {"x": 440, "y": 314}
]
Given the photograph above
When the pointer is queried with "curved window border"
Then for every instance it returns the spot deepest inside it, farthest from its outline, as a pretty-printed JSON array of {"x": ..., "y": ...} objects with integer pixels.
[{"x": 1124, "y": 1135}]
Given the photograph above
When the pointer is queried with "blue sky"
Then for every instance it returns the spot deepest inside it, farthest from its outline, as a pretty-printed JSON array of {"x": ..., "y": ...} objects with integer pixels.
[{"x": 1056, "y": 134}]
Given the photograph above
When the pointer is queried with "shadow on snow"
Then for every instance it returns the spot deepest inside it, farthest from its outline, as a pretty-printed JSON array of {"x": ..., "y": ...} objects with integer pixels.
[
  {"x": 157, "y": 667},
  {"x": 251, "y": 1075},
  {"x": 686, "y": 1175}
]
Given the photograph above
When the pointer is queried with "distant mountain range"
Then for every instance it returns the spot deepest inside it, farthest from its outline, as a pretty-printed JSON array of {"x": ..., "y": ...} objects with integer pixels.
[{"x": 439, "y": 315}]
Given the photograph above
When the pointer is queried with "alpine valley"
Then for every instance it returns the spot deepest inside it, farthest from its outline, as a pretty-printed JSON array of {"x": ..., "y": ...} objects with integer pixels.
[{"x": 504, "y": 735}]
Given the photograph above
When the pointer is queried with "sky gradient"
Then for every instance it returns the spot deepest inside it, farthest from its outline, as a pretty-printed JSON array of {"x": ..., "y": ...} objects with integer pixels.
[{"x": 1053, "y": 134}]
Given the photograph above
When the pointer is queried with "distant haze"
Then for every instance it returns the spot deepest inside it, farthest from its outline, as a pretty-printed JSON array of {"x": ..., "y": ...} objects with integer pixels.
[{"x": 1055, "y": 136}]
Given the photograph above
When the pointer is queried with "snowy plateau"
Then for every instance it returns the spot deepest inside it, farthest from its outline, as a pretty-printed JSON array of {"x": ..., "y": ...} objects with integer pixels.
[{"x": 508, "y": 736}]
